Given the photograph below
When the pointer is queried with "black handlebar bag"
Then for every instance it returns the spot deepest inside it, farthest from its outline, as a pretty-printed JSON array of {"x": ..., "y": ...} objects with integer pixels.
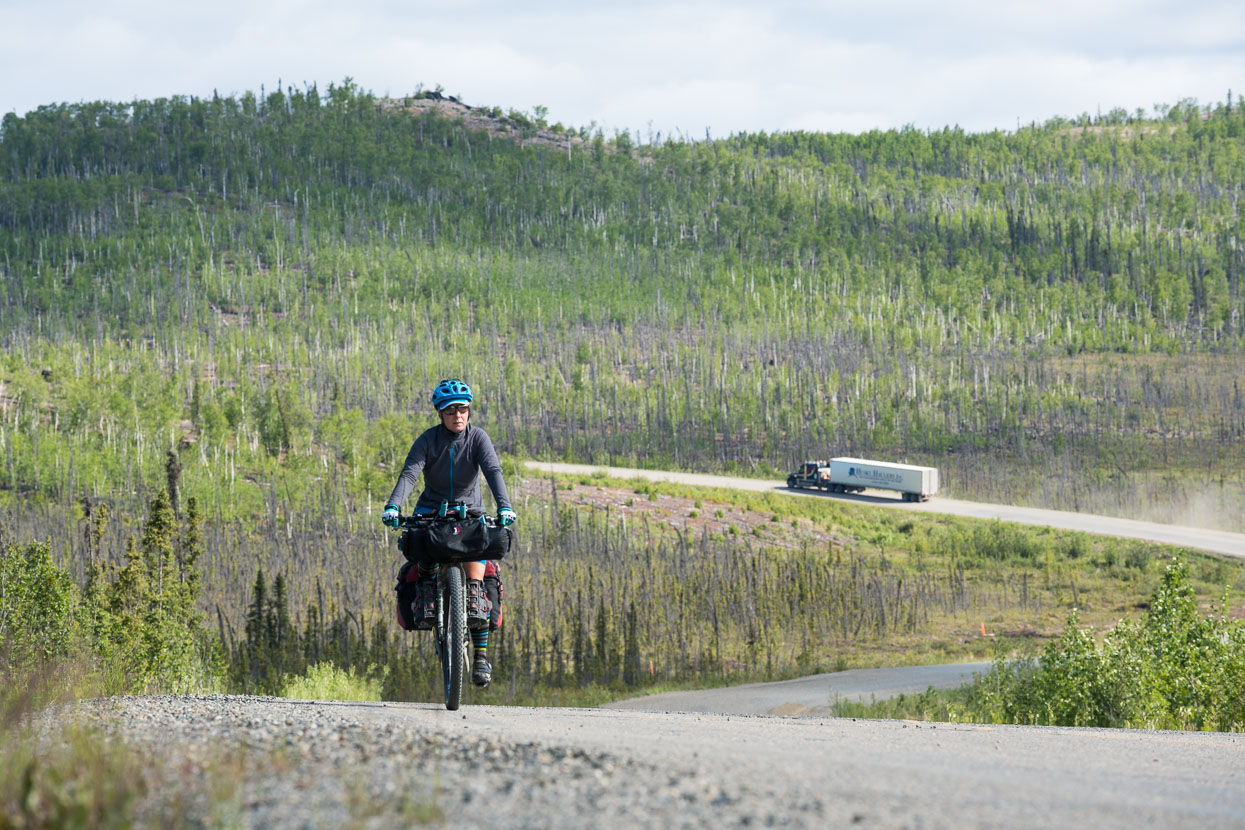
[{"x": 465, "y": 540}]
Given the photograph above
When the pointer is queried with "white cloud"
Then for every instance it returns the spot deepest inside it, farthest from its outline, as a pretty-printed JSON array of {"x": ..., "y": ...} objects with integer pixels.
[{"x": 679, "y": 65}]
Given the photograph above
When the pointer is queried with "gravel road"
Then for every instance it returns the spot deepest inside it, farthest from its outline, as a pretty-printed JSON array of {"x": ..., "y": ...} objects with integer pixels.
[
  {"x": 810, "y": 695},
  {"x": 1212, "y": 541},
  {"x": 308, "y": 764}
]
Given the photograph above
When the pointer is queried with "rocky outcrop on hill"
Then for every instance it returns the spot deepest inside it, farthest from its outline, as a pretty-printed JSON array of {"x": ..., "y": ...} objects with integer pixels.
[{"x": 515, "y": 127}]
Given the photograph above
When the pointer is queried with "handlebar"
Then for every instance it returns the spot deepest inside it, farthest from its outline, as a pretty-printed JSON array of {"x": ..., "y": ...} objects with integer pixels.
[
  {"x": 455, "y": 512},
  {"x": 425, "y": 519}
]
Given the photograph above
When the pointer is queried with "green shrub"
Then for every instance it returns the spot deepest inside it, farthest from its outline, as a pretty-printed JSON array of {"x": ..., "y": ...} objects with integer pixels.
[
  {"x": 141, "y": 619},
  {"x": 325, "y": 681},
  {"x": 36, "y": 606},
  {"x": 1176, "y": 669}
]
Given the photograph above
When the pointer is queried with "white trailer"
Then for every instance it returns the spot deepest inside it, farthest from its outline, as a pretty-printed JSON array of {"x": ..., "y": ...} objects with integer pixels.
[{"x": 853, "y": 475}]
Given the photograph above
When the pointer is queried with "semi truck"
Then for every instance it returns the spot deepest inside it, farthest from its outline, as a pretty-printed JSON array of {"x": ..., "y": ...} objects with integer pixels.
[
  {"x": 854, "y": 475},
  {"x": 814, "y": 474}
]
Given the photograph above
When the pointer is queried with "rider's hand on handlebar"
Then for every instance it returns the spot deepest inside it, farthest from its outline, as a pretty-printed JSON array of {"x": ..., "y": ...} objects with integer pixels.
[
  {"x": 390, "y": 517},
  {"x": 506, "y": 517}
]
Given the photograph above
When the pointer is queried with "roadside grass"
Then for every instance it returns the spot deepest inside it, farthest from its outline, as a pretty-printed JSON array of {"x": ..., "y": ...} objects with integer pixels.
[
  {"x": 870, "y": 654},
  {"x": 936, "y": 705},
  {"x": 68, "y": 777},
  {"x": 369, "y": 808},
  {"x": 62, "y": 768},
  {"x": 326, "y": 681}
]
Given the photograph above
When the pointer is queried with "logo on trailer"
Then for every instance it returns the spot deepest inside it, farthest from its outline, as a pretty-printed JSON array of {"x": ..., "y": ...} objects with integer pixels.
[{"x": 873, "y": 474}]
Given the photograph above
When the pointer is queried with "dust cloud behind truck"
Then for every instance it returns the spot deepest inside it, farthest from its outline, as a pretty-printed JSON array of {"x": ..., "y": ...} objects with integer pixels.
[{"x": 854, "y": 475}]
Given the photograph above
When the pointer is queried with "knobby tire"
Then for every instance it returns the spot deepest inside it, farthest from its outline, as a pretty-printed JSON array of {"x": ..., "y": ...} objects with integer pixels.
[{"x": 454, "y": 644}]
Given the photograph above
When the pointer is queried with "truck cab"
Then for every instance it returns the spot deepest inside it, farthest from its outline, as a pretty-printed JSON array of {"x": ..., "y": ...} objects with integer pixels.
[{"x": 815, "y": 473}]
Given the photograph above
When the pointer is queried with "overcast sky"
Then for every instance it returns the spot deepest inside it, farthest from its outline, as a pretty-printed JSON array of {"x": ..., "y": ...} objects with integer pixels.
[{"x": 674, "y": 66}]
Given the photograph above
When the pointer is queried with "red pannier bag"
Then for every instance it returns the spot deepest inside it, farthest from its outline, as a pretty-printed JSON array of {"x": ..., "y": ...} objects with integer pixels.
[{"x": 408, "y": 576}]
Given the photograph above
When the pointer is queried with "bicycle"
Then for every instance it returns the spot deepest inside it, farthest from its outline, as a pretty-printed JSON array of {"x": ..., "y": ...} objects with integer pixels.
[{"x": 452, "y": 637}]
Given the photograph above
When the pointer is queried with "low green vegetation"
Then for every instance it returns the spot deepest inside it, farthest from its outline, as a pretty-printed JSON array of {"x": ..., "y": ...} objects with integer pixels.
[
  {"x": 137, "y": 625},
  {"x": 126, "y": 629},
  {"x": 77, "y": 774},
  {"x": 78, "y": 779},
  {"x": 1177, "y": 667},
  {"x": 325, "y": 681},
  {"x": 38, "y": 600}
]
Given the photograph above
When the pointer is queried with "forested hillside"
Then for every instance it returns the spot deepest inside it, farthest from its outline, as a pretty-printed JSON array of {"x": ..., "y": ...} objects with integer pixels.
[{"x": 270, "y": 284}]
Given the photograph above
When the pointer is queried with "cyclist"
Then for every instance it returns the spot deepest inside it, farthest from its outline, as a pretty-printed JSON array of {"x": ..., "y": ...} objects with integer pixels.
[{"x": 452, "y": 455}]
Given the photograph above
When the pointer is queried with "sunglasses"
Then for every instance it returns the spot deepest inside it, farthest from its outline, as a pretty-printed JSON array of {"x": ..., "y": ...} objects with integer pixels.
[{"x": 454, "y": 409}]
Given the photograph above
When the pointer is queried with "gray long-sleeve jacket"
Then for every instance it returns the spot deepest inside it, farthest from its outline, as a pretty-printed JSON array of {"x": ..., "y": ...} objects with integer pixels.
[{"x": 451, "y": 465}]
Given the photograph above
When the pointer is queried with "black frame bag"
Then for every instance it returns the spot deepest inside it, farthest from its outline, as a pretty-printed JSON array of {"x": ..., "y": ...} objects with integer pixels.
[{"x": 459, "y": 540}]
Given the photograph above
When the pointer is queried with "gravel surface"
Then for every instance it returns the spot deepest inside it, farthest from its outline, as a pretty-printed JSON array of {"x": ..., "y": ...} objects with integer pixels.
[
  {"x": 276, "y": 763},
  {"x": 264, "y": 762}
]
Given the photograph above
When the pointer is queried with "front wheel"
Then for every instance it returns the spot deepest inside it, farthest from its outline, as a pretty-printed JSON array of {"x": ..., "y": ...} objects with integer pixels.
[
  {"x": 791, "y": 482},
  {"x": 456, "y": 640}
]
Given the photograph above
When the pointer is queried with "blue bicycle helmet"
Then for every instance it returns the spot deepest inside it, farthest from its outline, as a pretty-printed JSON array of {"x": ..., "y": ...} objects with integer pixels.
[{"x": 451, "y": 391}]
